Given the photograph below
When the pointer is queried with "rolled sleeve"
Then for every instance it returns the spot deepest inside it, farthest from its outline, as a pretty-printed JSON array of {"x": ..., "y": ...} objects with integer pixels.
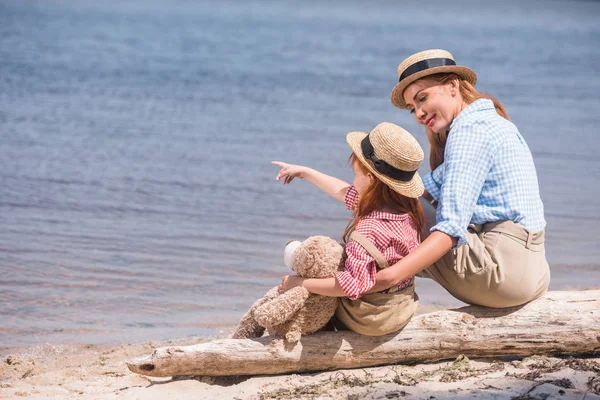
[
  {"x": 359, "y": 271},
  {"x": 351, "y": 198},
  {"x": 453, "y": 230},
  {"x": 433, "y": 182},
  {"x": 469, "y": 156}
]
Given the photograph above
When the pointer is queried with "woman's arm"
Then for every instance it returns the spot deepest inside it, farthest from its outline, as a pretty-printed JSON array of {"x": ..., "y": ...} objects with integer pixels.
[
  {"x": 333, "y": 186},
  {"x": 325, "y": 286},
  {"x": 428, "y": 252},
  {"x": 427, "y": 196}
]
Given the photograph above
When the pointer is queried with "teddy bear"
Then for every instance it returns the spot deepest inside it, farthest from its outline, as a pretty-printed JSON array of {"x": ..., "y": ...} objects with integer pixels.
[{"x": 296, "y": 312}]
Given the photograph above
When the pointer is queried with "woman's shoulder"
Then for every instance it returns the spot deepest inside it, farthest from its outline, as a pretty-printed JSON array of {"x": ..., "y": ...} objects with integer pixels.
[
  {"x": 481, "y": 124},
  {"x": 479, "y": 116}
]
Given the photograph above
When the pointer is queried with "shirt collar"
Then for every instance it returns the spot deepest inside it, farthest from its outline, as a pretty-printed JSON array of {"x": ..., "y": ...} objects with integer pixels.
[{"x": 474, "y": 107}]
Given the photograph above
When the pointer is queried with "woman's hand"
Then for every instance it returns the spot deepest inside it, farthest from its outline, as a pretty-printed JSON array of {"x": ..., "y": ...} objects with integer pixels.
[
  {"x": 289, "y": 171},
  {"x": 429, "y": 251},
  {"x": 289, "y": 282}
]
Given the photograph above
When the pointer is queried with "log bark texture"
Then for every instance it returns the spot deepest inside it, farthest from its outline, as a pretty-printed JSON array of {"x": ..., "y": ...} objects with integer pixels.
[{"x": 564, "y": 322}]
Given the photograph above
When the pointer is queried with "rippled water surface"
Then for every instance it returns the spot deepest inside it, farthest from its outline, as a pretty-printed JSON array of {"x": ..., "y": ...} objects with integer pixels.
[{"x": 137, "y": 200}]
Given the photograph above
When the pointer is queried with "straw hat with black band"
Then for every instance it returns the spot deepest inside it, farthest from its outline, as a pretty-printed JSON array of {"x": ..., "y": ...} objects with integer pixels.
[
  {"x": 392, "y": 154},
  {"x": 426, "y": 63}
]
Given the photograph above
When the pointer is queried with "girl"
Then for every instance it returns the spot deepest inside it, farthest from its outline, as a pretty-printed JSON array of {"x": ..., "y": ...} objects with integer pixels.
[
  {"x": 385, "y": 225},
  {"x": 486, "y": 245}
]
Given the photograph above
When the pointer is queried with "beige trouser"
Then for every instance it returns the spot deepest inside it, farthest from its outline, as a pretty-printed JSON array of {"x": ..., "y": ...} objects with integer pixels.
[{"x": 503, "y": 265}]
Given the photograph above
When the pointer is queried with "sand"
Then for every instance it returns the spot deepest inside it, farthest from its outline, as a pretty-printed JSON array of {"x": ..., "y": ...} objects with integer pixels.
[{"x": 99, "y": 372}]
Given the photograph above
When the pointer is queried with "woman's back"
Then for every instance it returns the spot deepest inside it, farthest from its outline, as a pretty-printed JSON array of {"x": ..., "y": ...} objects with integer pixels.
[{"x": 489, "y": 164}]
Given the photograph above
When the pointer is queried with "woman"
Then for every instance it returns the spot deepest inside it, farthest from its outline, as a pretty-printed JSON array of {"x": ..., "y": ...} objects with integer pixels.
[{"x": 486, "y": 246}]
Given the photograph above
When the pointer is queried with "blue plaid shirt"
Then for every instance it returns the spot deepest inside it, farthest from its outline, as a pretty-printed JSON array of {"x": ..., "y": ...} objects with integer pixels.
[{"x": 487, "y": 175}]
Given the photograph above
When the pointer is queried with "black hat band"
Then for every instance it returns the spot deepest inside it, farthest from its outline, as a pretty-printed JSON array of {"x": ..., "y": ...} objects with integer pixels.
[
  {"x": 382, "y": 166},
  {"x": 424, "y": 65}
]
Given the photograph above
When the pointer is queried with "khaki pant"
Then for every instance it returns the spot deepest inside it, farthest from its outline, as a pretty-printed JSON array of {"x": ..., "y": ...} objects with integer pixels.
[
  {"x": 503, "y": 265},
  {"x": 377, "y": 314}
]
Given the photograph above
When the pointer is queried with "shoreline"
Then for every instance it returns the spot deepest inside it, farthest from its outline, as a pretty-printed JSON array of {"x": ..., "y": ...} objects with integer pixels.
[
  {"x": 214, "y": 330},
  {"x": 432, "y": 297}
]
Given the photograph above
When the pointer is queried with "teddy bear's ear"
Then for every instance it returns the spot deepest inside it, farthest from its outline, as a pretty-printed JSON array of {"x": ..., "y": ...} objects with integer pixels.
[{"x": 289, "y": 254}]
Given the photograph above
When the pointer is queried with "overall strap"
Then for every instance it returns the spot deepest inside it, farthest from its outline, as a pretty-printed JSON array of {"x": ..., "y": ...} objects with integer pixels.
[{"x": 370, "y": 248}]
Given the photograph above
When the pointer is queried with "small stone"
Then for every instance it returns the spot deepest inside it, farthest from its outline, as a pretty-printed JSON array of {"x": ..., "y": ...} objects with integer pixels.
[{"x": 12, "y": 360}]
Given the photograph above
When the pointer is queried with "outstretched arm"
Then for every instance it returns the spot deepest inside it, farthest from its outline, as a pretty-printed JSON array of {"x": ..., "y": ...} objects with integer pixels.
[
  {"x": 428, "y": 252},
  {"x": 333, "y": 186}
]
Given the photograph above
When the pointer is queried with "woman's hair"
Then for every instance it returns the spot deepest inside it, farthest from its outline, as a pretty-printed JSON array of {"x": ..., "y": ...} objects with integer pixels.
[
  {"x": 379, "y": 196},
  {"x": 469, "y": 94}
]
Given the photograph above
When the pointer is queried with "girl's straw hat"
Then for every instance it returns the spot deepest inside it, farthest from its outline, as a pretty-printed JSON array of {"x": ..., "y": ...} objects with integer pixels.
[
  {"x": 425, "y": 63},
  {"x": 392, "y": 154}
]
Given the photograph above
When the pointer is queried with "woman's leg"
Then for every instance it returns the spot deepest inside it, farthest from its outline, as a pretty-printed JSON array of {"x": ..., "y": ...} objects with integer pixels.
[
  {"x": 500, "y": 267},
  {"x": 495, "y": 269}
]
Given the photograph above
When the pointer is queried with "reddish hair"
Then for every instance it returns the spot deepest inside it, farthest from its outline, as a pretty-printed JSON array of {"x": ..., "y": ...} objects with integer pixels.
[
  {"x": 380, "y": 196},
  {"x": 437, "y": 141}
]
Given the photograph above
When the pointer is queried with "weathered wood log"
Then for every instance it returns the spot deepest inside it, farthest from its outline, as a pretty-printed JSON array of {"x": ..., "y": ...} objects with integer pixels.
[{"x": 558, "y": 323}]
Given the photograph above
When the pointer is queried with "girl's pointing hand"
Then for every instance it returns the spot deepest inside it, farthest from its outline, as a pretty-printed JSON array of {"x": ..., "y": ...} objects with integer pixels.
[{"x": 289, "y": 171}]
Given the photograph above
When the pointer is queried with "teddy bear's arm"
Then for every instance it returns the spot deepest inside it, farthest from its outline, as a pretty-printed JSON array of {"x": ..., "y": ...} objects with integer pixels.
[{"x": 280, "y": 309}]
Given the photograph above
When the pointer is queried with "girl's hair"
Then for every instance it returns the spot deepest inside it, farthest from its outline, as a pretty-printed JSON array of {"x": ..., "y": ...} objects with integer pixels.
[
  {"x": 469, "y": 94},
  {"x": 379, "y": 196}
]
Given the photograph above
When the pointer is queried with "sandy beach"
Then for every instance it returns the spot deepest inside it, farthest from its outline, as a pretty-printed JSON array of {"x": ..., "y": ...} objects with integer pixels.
[
  {"x": 95, "y": 372},
  {"x": 100, "y": 372}
]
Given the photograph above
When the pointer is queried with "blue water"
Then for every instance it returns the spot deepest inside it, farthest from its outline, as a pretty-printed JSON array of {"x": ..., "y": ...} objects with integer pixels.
[{"x": 137, "y": 199}]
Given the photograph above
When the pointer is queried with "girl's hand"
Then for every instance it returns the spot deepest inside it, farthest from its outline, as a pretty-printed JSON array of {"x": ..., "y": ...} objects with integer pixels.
[
  {"x": 289, "y": 171},
  {"x": 289, "y": 282}
]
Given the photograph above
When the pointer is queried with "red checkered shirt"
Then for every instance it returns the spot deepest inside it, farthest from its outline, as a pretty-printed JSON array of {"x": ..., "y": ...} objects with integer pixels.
[{"x": 394, "y": 235}]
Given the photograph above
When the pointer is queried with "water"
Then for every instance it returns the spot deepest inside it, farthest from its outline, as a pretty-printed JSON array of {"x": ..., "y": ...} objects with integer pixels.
[{"x": 137, "y": 201}]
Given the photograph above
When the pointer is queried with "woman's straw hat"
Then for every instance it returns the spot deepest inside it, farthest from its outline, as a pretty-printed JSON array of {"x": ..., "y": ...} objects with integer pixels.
[
  {"x": 392, "y": 154},
  {"x": 426, "y": 63}
]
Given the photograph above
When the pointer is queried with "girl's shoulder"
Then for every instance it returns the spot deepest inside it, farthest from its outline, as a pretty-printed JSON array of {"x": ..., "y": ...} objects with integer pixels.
[
  {"x": 381, "y": 227},
  {"x": 383, "y": 218}
]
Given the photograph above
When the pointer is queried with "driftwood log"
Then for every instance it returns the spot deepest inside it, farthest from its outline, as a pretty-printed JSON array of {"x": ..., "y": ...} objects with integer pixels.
[{"x": 558, "y": 323}]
